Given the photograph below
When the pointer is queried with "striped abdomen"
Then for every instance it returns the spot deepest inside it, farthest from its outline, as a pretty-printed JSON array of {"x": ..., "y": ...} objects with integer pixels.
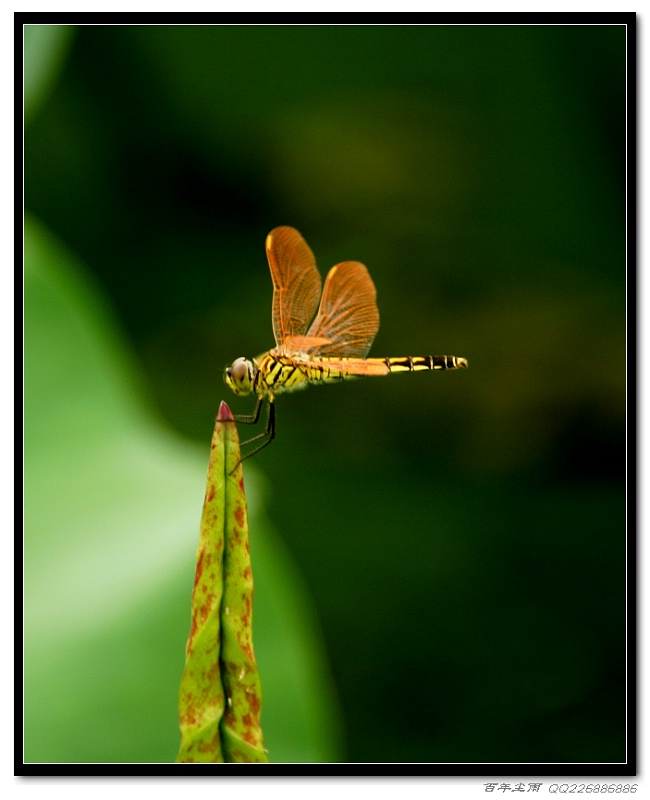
[
  {"x": 283, "y": 373},
  {"x": 382, "y": 366}
]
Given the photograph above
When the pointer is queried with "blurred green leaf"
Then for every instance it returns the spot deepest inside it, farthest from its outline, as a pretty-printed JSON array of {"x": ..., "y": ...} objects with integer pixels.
[
  {"x": 112, "y": 508},
  {"x": 45, "y": 50}
]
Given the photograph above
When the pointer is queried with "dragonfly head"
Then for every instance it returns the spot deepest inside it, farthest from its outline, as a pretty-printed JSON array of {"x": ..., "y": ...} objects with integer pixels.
[{"x": 239, "y": 376}]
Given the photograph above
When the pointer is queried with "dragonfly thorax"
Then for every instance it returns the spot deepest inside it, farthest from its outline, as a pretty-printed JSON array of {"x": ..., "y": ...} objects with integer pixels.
[{"x": 239, "y": 376}]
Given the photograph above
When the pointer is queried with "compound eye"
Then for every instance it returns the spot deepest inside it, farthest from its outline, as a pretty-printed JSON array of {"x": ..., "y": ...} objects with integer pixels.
[{"x": 239, "y": 370}]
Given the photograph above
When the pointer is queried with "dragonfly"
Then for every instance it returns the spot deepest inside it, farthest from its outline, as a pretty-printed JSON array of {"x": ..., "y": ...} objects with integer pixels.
[{"x": 316, "y": 342}]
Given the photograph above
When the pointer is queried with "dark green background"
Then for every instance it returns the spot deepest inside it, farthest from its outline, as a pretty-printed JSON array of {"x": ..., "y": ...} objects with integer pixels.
[{"x": 462, "y": 534}]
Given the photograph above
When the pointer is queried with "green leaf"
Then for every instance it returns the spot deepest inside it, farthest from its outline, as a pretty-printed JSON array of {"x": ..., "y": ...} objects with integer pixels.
[
  {"x": 220, "y": 697},
  {"x": 202, "y": 699},
  {"x": 45, "y": 48},
  {"x": 112, "y": 506},
  {"x": 240, "y": 727}
]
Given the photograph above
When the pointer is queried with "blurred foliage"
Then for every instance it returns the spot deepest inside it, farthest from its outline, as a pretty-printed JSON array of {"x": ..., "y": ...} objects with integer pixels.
[
  {"x": 112, "y": 509},
  {"x": 45, "y": 47},
  {"x": 478, "y": 171}
]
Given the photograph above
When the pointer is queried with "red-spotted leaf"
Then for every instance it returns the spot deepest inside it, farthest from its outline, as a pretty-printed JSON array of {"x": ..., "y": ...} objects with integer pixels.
[{"x": 220, "y": 696}]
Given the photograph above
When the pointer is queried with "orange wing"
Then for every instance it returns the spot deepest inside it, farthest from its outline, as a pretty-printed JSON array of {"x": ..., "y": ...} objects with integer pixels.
[
  {"x": 296, "y": 282},
  {"x": 347, "y": 317}
]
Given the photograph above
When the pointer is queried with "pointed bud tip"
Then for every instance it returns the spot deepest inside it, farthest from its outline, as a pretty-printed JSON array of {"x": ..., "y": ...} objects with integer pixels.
[{"x": 225, "y": 414}]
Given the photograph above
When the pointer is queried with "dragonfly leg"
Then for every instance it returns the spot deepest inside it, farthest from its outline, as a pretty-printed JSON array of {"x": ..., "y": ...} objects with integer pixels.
[
  {"x": 250, "y": 419},
  {"x": 268, "y": 434}
]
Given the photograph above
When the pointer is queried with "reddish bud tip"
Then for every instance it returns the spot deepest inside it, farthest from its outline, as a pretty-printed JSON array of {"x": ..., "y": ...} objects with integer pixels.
[{"x": 225, "y": 414}]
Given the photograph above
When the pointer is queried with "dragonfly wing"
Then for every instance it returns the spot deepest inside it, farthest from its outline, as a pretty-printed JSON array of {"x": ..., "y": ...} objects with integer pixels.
[
  {"x": 293, "y": 345},
  {"x": 296, "y": 282},
  {"x": 347, "y": 316}
]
